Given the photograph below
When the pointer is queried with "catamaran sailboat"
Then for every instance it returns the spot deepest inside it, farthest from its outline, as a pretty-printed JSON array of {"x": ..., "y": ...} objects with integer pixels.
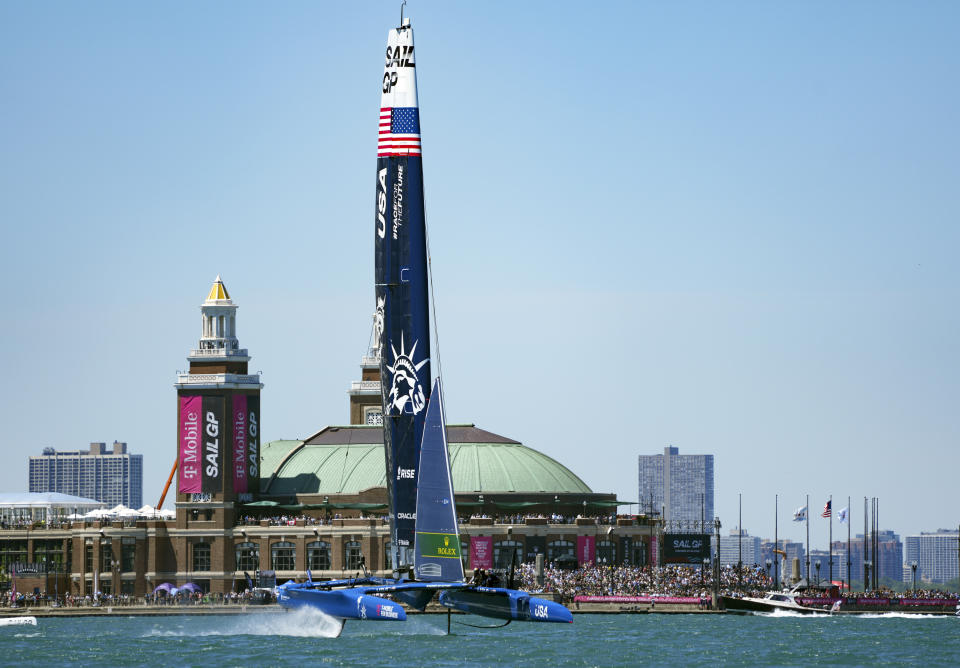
[{"x": 424, "y": 532}]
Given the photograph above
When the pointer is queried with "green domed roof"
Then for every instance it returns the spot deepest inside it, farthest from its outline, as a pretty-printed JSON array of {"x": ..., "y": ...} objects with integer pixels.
[{"x": 348, "y": 460}]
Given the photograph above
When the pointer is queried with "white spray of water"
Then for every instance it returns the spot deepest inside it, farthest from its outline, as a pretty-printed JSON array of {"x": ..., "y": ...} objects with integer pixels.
[{"x": 300, "y": 623}]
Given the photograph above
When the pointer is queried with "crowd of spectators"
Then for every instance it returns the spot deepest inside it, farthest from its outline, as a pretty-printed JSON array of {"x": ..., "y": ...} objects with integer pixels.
[{"x": 670, "y": 580}]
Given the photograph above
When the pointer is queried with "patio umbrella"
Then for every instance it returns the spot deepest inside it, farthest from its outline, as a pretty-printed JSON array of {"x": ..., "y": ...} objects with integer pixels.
[{"x": 190, "y": 586}]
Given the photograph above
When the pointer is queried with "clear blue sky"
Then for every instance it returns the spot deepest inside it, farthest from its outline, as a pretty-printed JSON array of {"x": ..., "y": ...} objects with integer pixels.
[{"x": 730, "y": 227}]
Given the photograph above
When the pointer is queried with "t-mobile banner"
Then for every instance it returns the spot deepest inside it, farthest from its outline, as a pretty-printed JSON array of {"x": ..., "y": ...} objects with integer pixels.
[
  {"x": 239, "y": 464},
  {"x": 586, "y": 550},
  {"x": 213, "y": 431},
  {"x": 253, "y": 444},
  {"x": 189, "y": 480},
  {"x": 481, "y": 552}
]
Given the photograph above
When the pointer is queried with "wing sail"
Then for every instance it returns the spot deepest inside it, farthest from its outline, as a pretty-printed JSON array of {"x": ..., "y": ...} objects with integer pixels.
[{"x": 437, "y": 556}]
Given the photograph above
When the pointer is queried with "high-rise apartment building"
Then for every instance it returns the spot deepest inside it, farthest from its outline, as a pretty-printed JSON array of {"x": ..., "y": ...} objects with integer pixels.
[
  {"x": 111, "y": 476},
  {"x": 736, "y": 548},
  {"x": 680, "y": 486},
  {"x": 935, "y": 554}
]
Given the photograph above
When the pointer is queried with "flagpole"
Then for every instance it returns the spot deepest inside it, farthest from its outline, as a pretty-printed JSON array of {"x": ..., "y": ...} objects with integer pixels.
[
  {"x": 831, "y": 539},
  {"x": 865, "y": 553},
  {"x": 740, "y": 546},
  {"x": 807, "y": 513},
  {"x": 848, "y": 545},
  {"x": 776, "y": 541}
]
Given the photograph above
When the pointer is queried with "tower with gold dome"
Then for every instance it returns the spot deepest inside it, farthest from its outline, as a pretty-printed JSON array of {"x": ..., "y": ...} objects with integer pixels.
[{"x": 218, "y": 419}]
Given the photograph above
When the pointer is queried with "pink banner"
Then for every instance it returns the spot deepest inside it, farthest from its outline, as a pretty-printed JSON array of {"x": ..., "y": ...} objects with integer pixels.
[
  {"x": 638, "y": 599},
  {"x": 189, "y": 481},
  {"x": 654, "y": 552},
  {"x": 586, "y": 550},
  {"x": 240, "y": 443},
  {"x": 481, "y": 552},
  {"x": 928, "y": 601}
]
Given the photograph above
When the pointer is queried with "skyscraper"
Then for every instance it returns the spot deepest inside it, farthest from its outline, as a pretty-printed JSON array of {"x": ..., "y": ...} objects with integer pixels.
[
  {"x": 679, "y": 485},
  {"x": 935, "y": 554},
  {"x": 113, "y": 477}
]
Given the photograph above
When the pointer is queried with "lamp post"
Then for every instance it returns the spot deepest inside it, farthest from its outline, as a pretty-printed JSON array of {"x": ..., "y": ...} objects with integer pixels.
[
  {"x": 703, "y": 571},
  {"x": 817, "y": 566},
  {"x": 769, "y": 564},
  {"x": 913, "y": 565}
]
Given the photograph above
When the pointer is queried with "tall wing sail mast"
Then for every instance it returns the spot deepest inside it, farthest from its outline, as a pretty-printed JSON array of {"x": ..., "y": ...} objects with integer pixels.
[
  {"x": 401, "y": 284},
  {"x": 437, "y": 555}
]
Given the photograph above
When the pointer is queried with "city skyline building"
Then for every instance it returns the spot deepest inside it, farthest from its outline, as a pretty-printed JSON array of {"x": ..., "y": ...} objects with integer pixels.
[
  {"x": 678, "y": 486},
  {"x": 110, "y": 475},
  {"x": 936, "y": 556},
  {"x": 735, "y": 547}
]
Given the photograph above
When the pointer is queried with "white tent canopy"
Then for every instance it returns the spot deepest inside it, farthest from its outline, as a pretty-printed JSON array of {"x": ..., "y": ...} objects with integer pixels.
[{"x": 29, "y": 507}]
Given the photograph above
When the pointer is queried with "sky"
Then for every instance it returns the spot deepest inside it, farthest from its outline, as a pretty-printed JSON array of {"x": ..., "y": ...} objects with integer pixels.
[{"x": 727, "y": 227}]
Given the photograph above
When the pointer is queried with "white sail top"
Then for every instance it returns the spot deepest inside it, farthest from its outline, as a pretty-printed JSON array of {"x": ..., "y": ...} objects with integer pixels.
[{"x": 399, "y": 128}]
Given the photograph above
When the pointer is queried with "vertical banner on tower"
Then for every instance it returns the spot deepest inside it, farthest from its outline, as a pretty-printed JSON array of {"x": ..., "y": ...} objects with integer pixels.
[
  {"x": 586, "y": 550},
  {"x": 212, "y": 438},
  {"x": 189, "y": 466},
  {"x": 253, "y": 444},
  {"x": 239, "y": 460},
  {"x": 481, "y": 552}
]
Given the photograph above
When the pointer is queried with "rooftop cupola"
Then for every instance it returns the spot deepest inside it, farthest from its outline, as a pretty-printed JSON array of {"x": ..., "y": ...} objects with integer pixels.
[{"x": 219, "y": 327}]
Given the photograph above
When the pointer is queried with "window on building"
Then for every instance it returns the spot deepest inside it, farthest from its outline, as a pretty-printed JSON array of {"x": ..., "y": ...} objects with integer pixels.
[
  {"x": 465, "y": 551},
  {"x": 248, "y": 556},
  {"x": 50, "y": 553},
  {"x": 559, "y": 548},
  {"x": 128, "y": 555},
  {"x": 318, "y": 556},
  {"x": 12, "y": 552},
  {"x": 201, "y": 556},
  {"x": 283, "y": 556},
  {"x": 503, "y": 552},
  {"x": 606, "y": 552},
  {"x": 352, "y": 555},
  {"x": 373, "y": 416},
  {"x": 126, "y": 587},
  {"x": 106, "y": 555},
  {"x": 388, "y": 556},
  {"x": 88, "y": 555}
]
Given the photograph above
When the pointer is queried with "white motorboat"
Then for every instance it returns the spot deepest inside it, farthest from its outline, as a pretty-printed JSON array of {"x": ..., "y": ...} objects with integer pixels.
[{"x": 18, "y": 621}]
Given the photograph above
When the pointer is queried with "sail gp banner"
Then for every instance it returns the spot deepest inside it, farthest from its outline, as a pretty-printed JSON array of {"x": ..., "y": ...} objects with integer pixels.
[
  {"x": 238, "y": 463},
  {"x": 212, "y": 434},
  {"x": 586, "y": 550},
  {"x": 253, "y": 443},
  {"x": 189, "y": 480},
  {"x": 685, "y": 548},
  {"x": 481, "y": 552}
]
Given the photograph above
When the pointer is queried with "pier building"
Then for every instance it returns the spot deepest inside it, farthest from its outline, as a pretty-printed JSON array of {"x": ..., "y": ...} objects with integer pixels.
[{"x": 318, "y": 503}]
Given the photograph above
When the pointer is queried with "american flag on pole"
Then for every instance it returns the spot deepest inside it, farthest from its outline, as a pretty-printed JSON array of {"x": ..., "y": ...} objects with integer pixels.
[
  {"x": 399, "y": 132},
  {"x": 827, "y": 509}
]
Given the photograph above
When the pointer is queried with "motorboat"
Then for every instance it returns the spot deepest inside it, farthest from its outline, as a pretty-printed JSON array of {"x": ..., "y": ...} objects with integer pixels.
[
  {"x": 780, "y": 601},
  {"x": 18, "y": 621}
]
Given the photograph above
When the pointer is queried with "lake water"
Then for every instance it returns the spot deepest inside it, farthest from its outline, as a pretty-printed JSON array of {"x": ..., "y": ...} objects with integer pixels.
[{"x": 304, "y": 638}]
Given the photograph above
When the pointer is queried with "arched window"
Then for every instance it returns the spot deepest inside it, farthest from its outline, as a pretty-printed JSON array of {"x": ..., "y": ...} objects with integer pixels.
[
  {"x": 201, "y": 556},
  {"x": 283, "y": 556},
  {"x": 503, "y": 553},
  {"x": 318, "y": 556},
  {"x": 559, "y": 548},
  {"x": 248, "y": 556},
  {"x": 352, "y": 555},
  {"x": 606, "y": 552}
]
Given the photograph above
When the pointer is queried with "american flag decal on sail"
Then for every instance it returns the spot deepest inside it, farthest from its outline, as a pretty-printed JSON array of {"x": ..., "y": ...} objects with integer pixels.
[{"x": 399, "y": 131}]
